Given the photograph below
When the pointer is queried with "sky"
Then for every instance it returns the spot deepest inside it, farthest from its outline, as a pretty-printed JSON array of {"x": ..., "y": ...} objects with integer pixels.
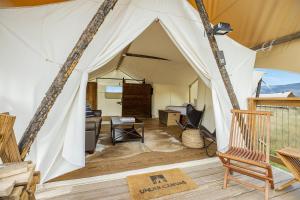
[
  {"x": 278, "y": 77},
  {"x": 113, "y": 89}
]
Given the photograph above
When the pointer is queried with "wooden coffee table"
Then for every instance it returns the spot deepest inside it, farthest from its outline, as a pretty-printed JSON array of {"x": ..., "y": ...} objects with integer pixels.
[{"x": 126, "y": 131}]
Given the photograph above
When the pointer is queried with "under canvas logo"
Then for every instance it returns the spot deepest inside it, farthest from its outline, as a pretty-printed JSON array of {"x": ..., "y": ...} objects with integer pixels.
[
  {"x": 160, "y": 183},
  {"x": 156, "y": 179}
]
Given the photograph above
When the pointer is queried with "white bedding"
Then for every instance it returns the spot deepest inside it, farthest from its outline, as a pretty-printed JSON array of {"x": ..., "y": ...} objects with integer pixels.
[{"x": 181, "y": 109}]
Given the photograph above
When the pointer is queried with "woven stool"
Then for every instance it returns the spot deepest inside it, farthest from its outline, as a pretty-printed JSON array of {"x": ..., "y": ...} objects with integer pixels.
[{"x": 191, "y": 138}]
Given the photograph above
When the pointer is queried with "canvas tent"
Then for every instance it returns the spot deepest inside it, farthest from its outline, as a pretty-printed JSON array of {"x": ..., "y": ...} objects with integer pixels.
[
  {"x": 35, "y": 41},
  {"x": 254, "y": 22}
]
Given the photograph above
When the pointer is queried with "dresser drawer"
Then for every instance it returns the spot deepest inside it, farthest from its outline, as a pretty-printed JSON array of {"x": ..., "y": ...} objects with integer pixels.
[{"x": 169, "y": 117}]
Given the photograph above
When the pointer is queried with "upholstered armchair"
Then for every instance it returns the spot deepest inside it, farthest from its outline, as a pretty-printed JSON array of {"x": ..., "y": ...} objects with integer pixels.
[{"x": 93, "y": 122}]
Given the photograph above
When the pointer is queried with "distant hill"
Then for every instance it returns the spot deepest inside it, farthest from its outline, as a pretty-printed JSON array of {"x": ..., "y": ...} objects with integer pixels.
[{"x": 295, "y": 88}]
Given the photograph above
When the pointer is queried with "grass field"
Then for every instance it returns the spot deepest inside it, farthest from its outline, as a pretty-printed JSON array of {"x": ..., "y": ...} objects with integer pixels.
[{"x": 285, "y": 127}]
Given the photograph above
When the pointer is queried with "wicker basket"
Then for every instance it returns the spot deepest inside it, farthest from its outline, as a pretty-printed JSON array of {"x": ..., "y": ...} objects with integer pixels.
[{"x": 191, "y": 138}]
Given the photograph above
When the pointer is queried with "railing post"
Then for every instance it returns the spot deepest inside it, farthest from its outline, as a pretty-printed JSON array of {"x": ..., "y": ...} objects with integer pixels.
[
  {"x": 252, "y": 104},
  {"x": 251, "y": 120},
  {"x": 275, "y": 104}
]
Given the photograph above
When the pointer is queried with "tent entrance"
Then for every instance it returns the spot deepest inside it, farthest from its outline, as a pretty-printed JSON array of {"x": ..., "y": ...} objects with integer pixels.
[{"x": 151, "y": 59}]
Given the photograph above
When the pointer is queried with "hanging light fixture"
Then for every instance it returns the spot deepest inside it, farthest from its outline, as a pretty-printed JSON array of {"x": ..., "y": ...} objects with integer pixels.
[{"x": 222, "y": 28}]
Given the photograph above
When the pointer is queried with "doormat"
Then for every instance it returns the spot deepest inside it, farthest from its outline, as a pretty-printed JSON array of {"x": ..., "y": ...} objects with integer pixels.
[{"x": 160, "y": 183}]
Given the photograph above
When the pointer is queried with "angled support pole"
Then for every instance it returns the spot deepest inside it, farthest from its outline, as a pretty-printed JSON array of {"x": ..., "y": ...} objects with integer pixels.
[
  {"x": 122, "y": 56},
  {"x": 61, "y": 78},
  {"x": 277, "y": 41},
  {"x": 215, "y": 50},
  {"x": 258, "y": 89}
]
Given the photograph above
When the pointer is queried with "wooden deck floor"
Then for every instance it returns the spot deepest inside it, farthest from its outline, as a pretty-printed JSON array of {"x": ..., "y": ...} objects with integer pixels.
[{"x": 208, "y": 176}]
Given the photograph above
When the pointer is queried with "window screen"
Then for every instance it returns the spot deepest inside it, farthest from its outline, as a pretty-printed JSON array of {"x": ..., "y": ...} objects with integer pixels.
[{"x": 113, "y": 92}]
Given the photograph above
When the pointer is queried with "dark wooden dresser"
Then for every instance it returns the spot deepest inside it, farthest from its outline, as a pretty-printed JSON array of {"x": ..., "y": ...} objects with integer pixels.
[{"x": 137, "y": 100}]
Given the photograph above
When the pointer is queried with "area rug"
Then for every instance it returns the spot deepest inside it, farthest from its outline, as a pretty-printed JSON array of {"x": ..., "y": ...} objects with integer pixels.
[
  {"x": 155, "y": 141},
  {"x": 160, "y": 183}
]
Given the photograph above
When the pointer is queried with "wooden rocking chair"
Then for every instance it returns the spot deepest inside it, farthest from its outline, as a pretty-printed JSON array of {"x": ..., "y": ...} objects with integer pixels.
[{"x": 248, "y": 152}]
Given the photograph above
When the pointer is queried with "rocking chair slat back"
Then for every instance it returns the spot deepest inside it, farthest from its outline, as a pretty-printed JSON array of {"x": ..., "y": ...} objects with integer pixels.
[{"x": 250, "y": 132}]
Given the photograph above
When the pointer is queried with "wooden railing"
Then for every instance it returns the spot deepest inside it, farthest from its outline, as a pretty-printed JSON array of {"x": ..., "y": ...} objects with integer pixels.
[{"x": 285, "y": 121}]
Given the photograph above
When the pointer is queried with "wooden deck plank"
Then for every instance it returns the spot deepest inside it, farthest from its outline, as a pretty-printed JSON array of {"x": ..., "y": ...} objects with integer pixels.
[
  {"x": 202, "y": 178},
  {"x": 290, "y": 195},
  {"x": 122, "y": 190},
  {"x": 196, "y": 169},
  {"x": 105, "y": 187},
  {"x": 216, "y": 191},
  {"x": 280, "y": 177},
  {"x": 209, "y": 177}
]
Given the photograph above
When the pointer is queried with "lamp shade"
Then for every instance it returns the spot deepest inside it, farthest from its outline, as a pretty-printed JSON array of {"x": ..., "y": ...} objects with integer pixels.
[{"x": 221, "y": 28}]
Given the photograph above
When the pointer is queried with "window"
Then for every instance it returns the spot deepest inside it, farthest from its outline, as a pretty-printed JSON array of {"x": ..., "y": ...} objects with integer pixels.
[
  {"x": 113, "y": 92},
  {"x": 279, "y": 83}
]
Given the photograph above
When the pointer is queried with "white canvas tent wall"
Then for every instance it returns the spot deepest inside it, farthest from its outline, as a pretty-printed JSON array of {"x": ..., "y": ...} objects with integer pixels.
[{"x": 36, "y": 41}]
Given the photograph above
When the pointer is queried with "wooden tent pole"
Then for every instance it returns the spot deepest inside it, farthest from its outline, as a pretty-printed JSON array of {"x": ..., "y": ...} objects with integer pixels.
[
  {"x": 61, "y": 78},
  {"x": 215, "y": 50}
]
